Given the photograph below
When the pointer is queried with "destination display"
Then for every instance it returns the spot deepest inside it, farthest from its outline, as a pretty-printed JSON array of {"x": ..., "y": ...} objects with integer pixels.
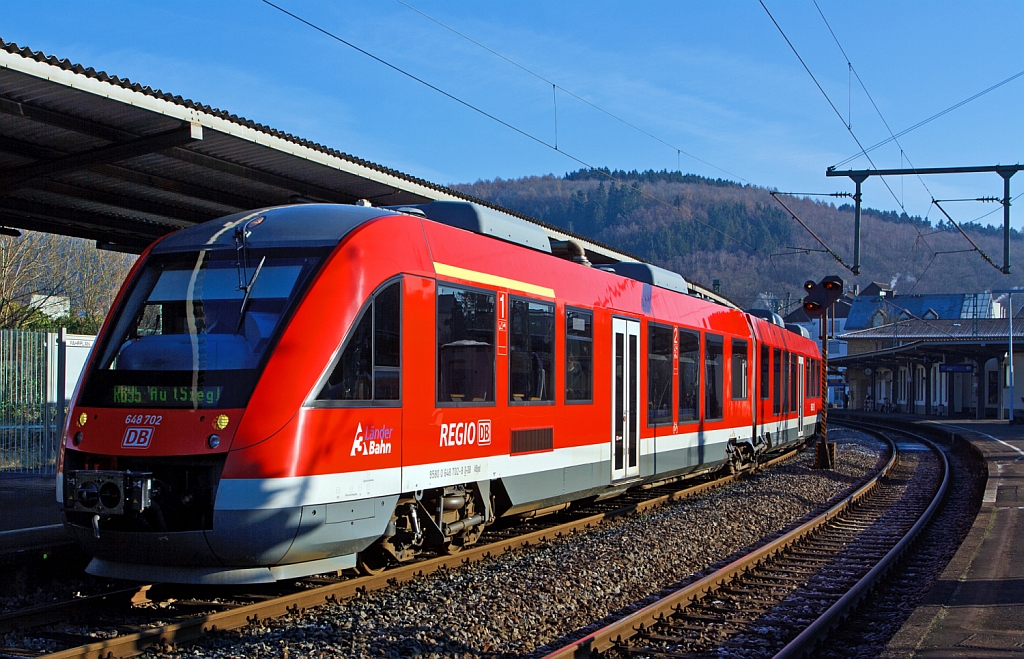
[{"x": 160, "y": 396}]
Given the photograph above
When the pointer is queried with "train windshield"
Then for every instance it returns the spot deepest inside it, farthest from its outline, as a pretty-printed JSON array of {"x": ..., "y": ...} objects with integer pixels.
[{"x": 195, "y": 327}]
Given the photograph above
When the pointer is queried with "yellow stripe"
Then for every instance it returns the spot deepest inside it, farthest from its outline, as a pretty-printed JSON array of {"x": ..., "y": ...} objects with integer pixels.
[{"x": 492, "y": 280}]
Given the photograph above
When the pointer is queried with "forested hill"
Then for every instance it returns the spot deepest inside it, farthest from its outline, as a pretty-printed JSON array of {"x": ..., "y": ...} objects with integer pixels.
[{"x": 709, "y": 229}]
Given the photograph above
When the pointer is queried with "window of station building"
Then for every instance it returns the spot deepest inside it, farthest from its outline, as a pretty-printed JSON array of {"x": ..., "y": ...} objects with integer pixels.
[
  {"x": 465, "y": 345},
  {"x": 659, "y": 375},
  {"x": 777, "y": 381},
  {"x": 531, "y": 351},
  {"x": 579, "y": 356},
  {"x": 740, "y": 369},
  {"x": 765, "y": 374},
  {"x": 689, "y": 376},
  {"x": 714, "y": 372},
  {"x": 369, "y": 368}
]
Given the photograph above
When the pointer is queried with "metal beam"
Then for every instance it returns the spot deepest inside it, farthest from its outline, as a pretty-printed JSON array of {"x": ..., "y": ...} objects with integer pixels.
[
  {"x": 182, "y": 217},
  {"x": 184, "y": 134},
  {"x": 924, "y": 170},
  {"x": 228, "y": 201},
  {"x": 25, "y": 208},
  {"x": 1006, "y": 171},
  {"x": 313, "y": 192},
  {"x": 62, "y": 120},
  {"x": 132, "y": 242}
]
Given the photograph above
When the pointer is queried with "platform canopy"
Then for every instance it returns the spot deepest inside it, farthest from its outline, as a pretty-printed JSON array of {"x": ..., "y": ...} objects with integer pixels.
[{"x": 88, "y": 154}]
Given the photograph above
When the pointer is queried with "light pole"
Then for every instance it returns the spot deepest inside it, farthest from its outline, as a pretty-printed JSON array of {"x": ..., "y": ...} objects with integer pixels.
[{"x": 1009, "y": 306}]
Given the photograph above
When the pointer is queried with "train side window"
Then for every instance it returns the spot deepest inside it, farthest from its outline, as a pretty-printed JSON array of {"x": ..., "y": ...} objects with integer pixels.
[
  {"x": 714, "y": 362},
  {"x": 776, "y": 381},
  {"x": 740, "y": 372},
  {"x": 579, "y": 356},
  {"x": 689, "y": 376},
  {"x": 765, "y": 374},
  {"x": 465, "y": 345},
  {"x": 531, "y": 351},
  {"x": 659, "y": 375},
  {"x": 369, "y": 368}
]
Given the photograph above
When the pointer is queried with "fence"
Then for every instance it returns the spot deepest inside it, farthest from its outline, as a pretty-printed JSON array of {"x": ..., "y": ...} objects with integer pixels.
[{"x": 38, "y": 371}]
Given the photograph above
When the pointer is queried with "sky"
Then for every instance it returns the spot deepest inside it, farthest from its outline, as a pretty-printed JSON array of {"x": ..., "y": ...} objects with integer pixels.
[{"x": 714, "y": 83}]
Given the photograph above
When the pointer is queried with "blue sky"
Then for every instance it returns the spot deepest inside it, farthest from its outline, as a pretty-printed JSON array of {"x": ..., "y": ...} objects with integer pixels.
[{"x": 714, "y": 79}]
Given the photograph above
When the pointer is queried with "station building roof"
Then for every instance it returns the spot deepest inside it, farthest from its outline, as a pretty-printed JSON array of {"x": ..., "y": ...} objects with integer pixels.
[
  {"x": 969, "y": 338},
  {"x": 866, "y": 308}
]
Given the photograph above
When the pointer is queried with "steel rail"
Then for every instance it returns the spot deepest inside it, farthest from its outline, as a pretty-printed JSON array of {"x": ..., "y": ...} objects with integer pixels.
[
  {"x": 820, "y": 628},
  {"x": 174, "y": 634},
  {"x": 615, "y": 633}
]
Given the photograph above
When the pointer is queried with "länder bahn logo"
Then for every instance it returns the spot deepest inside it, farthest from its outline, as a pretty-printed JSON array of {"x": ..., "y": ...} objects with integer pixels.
[{"x": 373, "y": 442}]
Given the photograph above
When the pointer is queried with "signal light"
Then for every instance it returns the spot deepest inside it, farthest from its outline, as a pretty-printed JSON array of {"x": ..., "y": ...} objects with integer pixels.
[{"x": 822, "y": 295}]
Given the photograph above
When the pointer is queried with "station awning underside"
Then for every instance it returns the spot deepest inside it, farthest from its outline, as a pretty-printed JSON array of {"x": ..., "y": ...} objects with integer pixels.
[{"x": 86, "y": 154}]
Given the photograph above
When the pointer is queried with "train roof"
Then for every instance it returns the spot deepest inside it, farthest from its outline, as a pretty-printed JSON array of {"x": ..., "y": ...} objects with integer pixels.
[
  {"x": 301, "y": 225},
  {"x": 325, "y": 225}
]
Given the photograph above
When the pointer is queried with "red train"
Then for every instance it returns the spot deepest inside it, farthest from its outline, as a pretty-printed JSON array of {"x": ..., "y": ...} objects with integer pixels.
[{"x": 310, "y": 388}]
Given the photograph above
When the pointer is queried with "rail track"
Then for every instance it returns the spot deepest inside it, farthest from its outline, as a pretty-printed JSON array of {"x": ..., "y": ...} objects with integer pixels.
[
  {"x": 783, "y": 598},
  {"x": 128, "y": 621}
]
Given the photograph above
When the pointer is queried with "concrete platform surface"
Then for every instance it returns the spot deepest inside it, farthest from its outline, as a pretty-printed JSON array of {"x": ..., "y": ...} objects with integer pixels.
[
  {"x": 29, "y": 516},
  {"x": 976, "y": 609},
  {"x": 28, "y": 500}
]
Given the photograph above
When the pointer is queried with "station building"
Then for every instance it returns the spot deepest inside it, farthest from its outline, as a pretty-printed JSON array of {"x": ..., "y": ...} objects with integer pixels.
[{"x": 944, "y": 355}]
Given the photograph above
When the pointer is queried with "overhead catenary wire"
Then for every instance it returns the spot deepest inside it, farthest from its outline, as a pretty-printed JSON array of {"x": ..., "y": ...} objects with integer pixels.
[
  {"x": 568, "y": 92},
  {"x": 964, "y": 234},
  {"x": 831, "y": 104},
  {"x": 929, "y": 119},
  {"x": 821, "y": 242},
  {"x": 508, "y": 125},
  {"x": 863, "y": 87}
]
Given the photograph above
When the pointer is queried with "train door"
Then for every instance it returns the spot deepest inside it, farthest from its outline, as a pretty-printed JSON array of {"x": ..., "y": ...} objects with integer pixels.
[
  {"x": 625, "y": 398},
  {"x": 801, "y": 398}
]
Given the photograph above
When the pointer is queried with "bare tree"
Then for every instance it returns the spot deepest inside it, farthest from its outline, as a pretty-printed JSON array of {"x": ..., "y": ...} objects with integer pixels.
[{"x": 38, "y": 268}]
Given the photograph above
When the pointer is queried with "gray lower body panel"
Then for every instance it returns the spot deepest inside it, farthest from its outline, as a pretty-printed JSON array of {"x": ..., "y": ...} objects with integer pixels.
[
  {"x": 243, "y": 540},
  {"x": 549, "y": 488}
]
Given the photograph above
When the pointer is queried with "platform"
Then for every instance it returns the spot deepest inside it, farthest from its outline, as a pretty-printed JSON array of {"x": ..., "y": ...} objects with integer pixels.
[
  {"x": 29, "y": 516},
  {"x": 976, "y": 608}
]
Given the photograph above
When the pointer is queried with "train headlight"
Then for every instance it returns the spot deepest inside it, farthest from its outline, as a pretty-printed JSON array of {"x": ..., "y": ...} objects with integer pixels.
[
  {"x": 221, "y": 422},
  {"x": 82, "y": 418},
  {"x": 213, "y": 441},
  {"x": 77, "y": 439}
]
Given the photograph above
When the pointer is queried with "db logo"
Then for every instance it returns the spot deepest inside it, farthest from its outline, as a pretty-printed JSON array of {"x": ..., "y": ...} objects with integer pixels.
[
  {"x": 459, "y": 434},
  {"x": 137, "y": 438}
]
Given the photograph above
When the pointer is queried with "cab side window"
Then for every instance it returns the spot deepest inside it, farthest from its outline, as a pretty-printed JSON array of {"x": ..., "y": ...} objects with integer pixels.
[{"x": 369, "y": 367}]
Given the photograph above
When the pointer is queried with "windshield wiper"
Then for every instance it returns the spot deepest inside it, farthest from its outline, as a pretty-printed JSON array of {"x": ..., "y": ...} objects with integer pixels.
[{"x": 248, "y": 290}]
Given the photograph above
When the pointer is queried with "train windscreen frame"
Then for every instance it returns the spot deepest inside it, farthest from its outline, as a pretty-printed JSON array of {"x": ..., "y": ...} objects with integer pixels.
[{"x": 196, "y": 327}]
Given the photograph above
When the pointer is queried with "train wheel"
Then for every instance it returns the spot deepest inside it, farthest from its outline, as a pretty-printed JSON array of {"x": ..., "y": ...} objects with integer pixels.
[
  {"x": 372, "y": 561},
  {"x": 452, "y": 547}
]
